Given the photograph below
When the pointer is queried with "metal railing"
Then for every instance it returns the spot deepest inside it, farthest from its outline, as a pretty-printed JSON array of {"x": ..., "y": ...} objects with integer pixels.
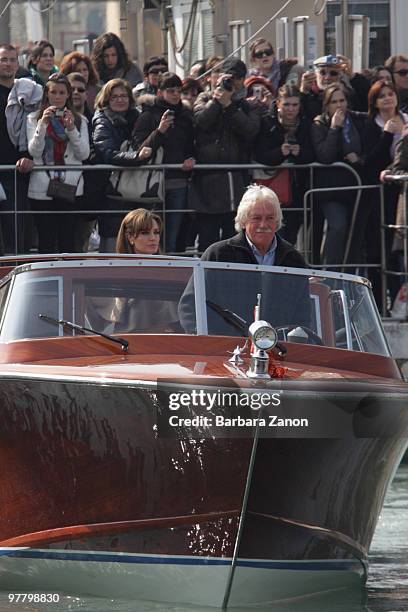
[
  {"x": 165, "y": 167},
  {"x": 307, "y": 209}
]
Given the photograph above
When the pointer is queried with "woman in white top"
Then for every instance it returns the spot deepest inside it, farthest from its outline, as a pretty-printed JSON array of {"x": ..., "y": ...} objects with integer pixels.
[{"x": 56, "y": 135}]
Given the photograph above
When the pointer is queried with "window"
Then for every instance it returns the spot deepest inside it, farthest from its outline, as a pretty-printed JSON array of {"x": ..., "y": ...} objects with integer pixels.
[{"x": 379, "y": 13}]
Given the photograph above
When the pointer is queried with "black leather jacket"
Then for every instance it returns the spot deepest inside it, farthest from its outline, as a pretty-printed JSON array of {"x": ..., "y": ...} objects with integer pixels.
[{"x": 109, "y": 132}]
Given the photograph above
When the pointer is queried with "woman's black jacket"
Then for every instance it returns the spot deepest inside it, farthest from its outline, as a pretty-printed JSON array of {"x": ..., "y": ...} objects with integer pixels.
[
  {"x": 270, "y": 140},
  {"x": 328, "y": 148},
  {"x": 109, "y": 132},
  {"x": 177, "y": 142}
]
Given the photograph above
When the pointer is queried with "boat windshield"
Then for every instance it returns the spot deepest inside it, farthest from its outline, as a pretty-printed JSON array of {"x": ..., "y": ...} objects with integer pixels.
[{"x": 190, "y": 298}]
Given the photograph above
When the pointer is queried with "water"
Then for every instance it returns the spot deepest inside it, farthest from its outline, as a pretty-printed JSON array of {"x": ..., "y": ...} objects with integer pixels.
[{"x": 386, "y": 589}]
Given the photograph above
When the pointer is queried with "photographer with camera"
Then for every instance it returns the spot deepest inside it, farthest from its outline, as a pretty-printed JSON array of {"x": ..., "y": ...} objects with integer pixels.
[
  {"x": 57, "y": 135},
  {"x": 226, "y": 128}
]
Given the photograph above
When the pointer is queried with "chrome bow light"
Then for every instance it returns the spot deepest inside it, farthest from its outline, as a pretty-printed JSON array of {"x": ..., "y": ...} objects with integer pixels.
[{"x": 264, "y": 337}]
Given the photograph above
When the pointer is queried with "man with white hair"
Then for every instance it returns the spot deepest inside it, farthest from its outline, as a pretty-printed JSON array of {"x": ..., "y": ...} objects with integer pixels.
[
  {"x": 285, "y": 298},
  {"x": 259, "y": 217}
]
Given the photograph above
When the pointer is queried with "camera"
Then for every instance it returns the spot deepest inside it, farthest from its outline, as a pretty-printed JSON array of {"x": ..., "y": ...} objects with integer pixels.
[
  {"x": 60, "y": 112},
  {"x": 171, "y": 114},
  {"x": 227, "y": 83},
  {"x": 257, "y": 91}
]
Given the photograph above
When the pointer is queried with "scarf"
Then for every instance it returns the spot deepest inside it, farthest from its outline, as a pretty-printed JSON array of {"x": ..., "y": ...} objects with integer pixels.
[
  {"x": 351, "y": 137},
  {"x": 56, "y": 141},
  {"x": 117, "y": 119},
  {"x": 36, "y": 76},
  {"x": 274, "y": 75}
]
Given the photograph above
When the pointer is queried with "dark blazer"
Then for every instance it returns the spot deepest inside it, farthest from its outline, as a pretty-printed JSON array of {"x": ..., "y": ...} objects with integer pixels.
[
  {"x": 237, "y": 250},
  {"x": 285, "y": 298}
]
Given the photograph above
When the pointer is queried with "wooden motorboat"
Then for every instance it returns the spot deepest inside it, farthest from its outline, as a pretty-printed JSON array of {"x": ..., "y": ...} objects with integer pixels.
[{"x": 107, "y": 489}]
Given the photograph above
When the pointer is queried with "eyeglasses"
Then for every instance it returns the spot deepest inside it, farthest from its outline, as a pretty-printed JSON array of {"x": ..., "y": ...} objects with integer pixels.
[
  {"x": 332, "y": 73},
  {"x": 402, "y": 72},
  {"x": 79, "y": 89},
  {"x": 263, "y": 53},
  {"x": 11, "y": 60},
  {"x": 119, "y": 97},
  {"x": 157, "y": 70}
]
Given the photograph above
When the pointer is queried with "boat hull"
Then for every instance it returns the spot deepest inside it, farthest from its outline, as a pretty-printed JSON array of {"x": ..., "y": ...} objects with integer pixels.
[
  {"x": 94, "y": 501},
  {"x": 179, "y": 580}
]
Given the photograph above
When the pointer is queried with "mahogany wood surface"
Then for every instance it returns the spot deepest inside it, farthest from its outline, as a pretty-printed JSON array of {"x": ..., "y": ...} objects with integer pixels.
[
  {"x": 84, "y": 352},
  {"x": 97, "y": 529}
]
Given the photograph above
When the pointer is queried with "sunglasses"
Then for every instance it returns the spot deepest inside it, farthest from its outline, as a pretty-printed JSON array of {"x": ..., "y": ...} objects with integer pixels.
[
  {"x": 157, "y": 71},
  {"x": 79, "y": 89},
  {"x": 332, "y": 73},
  {"x": 264, "y": 53},
  {"x": 402, "y": 72}
]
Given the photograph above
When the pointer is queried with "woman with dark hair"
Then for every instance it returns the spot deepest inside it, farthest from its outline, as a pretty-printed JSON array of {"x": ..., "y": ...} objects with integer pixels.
[
  {"x": 112, "y": 124},
  {"x": 79, "y": 62},
  {"x": 56, "y": 135},
  {"x": 381, "y": 73},
  {"x": 190, "y": 91},
  {"x": 140, "y": 233},
  {"x": 41, "y": 62},
  {"x": 383, "y": 129},
  {"x": 167, "y": 123},
  {"x": 285, "y": 137},
  {"x": 337, "y": 137},
  {"x": 111, "y": 60}
]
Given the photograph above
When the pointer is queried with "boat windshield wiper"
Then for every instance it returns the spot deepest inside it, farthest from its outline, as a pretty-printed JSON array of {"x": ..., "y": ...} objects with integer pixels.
[
  {"x": 230, "y": 317},
  {"x": 124, "y": 343}
]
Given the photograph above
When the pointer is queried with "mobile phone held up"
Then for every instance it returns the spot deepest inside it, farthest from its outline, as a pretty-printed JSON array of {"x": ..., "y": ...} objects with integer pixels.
[
  {"x": 170, "y": 115},
  {"x": 257, "y": 92}
]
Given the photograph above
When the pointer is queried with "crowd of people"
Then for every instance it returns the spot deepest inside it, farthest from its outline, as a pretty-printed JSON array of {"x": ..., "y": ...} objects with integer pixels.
[{"x": 102, "y": 109}]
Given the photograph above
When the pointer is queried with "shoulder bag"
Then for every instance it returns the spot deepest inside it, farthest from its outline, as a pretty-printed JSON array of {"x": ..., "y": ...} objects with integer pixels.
[{"x": 140, "y": 186}]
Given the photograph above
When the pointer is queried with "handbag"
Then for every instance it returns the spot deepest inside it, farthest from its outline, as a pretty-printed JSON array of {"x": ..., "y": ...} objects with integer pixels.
[
  {"x": 140, "y": 186},
  {"x": 62, "y": 191},
  {"x": 281, "y": 184}
]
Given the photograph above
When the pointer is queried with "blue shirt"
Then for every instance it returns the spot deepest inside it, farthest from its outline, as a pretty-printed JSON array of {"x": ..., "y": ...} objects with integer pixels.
[{"x": 269, "y": 258}]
